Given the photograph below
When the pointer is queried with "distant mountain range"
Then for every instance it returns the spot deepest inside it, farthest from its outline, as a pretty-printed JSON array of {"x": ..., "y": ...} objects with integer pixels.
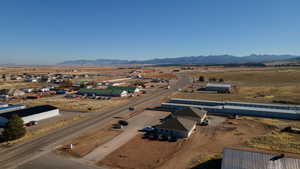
[{"x": 212, "y": 59}]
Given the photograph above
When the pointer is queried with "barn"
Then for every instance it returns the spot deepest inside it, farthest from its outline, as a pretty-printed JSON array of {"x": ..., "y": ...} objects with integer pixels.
[{"x": 36, "y": 113}]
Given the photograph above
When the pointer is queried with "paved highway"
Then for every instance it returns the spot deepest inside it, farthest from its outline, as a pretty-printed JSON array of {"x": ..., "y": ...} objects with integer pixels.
[{"x": 21, "y": 153}]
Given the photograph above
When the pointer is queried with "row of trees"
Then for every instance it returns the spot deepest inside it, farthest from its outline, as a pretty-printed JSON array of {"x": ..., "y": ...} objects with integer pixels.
[{"x": 14, "y": 129}]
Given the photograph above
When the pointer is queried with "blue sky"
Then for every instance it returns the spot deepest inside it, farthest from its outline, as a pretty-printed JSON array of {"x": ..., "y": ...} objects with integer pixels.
[{"x": 51, "y": 31}]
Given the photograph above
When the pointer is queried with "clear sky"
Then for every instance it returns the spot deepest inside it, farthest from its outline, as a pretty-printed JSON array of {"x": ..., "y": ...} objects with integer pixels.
[{"x": 51, "y": 31}]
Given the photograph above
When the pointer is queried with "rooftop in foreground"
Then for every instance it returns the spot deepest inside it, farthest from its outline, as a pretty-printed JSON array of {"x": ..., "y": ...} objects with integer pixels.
[{"x": 241, "y": 159}]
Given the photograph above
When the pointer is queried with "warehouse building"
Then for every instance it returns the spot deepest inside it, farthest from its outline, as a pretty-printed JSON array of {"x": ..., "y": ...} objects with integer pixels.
[
  {"x": 103, "y": 92},
  {"x": 240, "y": 159},
  {"x": 238, "y": 108},
  {"x": 5, "y": 107},
  {"x": 217, "y": 87},
  {"x": 36, "y": 113}
]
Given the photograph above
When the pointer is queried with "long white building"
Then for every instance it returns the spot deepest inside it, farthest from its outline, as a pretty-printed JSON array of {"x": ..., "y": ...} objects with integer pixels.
[{"x": 36, "y": 113}]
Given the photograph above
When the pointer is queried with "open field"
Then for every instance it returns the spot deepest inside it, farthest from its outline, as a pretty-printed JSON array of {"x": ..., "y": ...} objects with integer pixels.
[
  {"x": 79, "y": 105},
  {"x": 252, "y": 85},
  {"x": 142, "y": 154},
  {"x": 88, "y": 142}
]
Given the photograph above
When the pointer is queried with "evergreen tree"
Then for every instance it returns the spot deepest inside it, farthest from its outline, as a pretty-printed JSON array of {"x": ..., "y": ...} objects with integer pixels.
[
  {"x": 201, "y": 79},
  {"x": 14, "y": 129}
]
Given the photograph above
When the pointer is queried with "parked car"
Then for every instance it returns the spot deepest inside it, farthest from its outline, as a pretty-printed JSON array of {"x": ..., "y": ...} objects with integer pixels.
[
  {"x": 204, "y": 123},
  {"x": 147, "y": 129},
  {"x": 153, "y": 136},
  {"x": 131, "y": 108},
  {"x": 117, "y": 126},
  {"x": 172, "y": 139},
  {"x": 123, "y": 122},
  {"x": 145, "y": 136},
  {"x": 31, "y": 123},
  {"x": 162, "y": 137}
]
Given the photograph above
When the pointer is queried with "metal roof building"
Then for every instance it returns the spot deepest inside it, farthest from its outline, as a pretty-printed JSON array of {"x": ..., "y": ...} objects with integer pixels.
[
  {"x": 238, "y": 108},
  {"x": 11, "y": 107},
  {"x": 240, "y": 159},
  {"x": 31, "y": 114}
]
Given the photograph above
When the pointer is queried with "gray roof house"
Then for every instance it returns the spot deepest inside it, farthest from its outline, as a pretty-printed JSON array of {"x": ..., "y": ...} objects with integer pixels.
[
  {"x": 191, "y": 113},
  {"x": 177, "y": 126},
  {"x": 240, "y": 159}
]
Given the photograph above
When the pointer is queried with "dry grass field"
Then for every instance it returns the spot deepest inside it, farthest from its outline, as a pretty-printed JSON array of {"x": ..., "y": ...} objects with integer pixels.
[
  {"x": 252, "y": 85},
  {"x": 86, "y": 143},
  {"x": 75, "y": 104}
]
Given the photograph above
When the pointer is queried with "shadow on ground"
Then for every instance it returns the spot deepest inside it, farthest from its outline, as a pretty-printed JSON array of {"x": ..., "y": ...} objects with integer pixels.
[{"x": 210, "y": 164}]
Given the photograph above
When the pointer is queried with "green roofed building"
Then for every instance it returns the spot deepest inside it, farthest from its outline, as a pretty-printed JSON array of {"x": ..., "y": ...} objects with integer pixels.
[{"x": 111, "y": 92}]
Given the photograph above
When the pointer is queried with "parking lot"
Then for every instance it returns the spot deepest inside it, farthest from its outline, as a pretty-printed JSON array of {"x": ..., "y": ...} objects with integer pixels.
[{"x": 136, "y": 123}]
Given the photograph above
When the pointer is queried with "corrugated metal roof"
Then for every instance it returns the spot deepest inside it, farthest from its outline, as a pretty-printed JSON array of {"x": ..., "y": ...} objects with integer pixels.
[
  {"x": 237, "y": 108},
  {"x": 218, "y": 85},
  {"x": 243, "y": 104},
  {"x": 240, "y": 159},
  {"x": 28, "y": 111}
]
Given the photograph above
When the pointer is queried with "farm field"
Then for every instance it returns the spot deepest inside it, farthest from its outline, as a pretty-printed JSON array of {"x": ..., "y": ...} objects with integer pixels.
[{"x": 251, "y": 85}]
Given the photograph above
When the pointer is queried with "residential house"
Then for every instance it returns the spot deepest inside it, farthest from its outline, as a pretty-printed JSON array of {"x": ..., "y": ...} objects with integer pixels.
[
  {"x": 192, "y": 113},
  {"x": 178, "y": 127}
]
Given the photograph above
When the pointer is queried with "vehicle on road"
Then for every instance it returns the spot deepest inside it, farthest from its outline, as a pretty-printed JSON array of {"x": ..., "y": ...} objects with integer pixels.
[
  {"x": 117, "y": 126},
  {"x": 123, "y": 122},
  {"x": 131, "y": 108}
]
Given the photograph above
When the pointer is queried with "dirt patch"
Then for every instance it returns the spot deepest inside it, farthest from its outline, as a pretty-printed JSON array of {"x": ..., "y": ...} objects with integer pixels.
[
  {"x": 88, "y": 142},
  {"x": 141, "y": 153}
]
